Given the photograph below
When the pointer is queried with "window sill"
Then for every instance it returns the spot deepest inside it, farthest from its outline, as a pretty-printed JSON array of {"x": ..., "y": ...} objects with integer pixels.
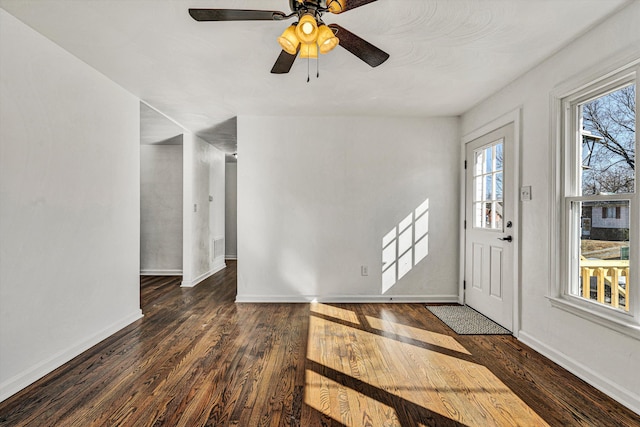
[{"x": 626, "y": 327}]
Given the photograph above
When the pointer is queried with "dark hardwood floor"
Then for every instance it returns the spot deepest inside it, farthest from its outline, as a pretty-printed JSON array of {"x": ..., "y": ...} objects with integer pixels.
[{"x": 197, "y": 358}]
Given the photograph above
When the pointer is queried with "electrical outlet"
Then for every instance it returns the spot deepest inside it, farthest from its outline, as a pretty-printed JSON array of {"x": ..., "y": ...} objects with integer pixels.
[
  {"x": 195, "y": 207},
  {"x": 364, "y": 270}
]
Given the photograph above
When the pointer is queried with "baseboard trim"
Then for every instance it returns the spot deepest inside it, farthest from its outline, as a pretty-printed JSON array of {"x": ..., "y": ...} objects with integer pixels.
[
  {"x": 624, "y": 396},
  {"x": 347, "y": 298},
  {"x": 20, "y": 381},
  {"x": 231, "y": 257},
  {"x": 191, "y": 283},
  {"x": 161, "y": 272}
]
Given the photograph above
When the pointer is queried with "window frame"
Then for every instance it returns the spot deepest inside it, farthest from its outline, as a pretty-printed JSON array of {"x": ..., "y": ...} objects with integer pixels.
[{"x": 566, "y": 161}]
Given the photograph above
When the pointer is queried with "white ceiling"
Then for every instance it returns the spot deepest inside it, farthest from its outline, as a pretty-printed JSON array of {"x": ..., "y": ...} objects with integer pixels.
[{"x": 446, "y": 55}]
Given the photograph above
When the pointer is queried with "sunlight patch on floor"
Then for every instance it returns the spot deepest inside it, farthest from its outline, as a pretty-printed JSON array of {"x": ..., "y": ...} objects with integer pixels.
[
  {"x": 335, "y": 312},
  {"x": 427, "y": 379},
  {"x": 335, "y": 400},
  {"x": 428, "y": 337}
]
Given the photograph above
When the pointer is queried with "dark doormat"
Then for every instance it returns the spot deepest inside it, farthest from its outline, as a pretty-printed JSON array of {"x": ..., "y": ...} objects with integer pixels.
[{"x": 465, "y": 320}]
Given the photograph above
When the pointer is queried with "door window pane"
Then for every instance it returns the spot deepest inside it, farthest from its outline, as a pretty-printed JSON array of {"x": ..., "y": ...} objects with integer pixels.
[
  {"x": 489, "y": 214},
  {"x": 499, "y": 157},
  {"x": 477, "y": 215},
  {"x": 488, "y": 195},
  {"x": 477, "y": 185},
  {"x": 488, "y": 154},
  {"x": 479, "y": 156},
  {"x": 499, "y": 186}
]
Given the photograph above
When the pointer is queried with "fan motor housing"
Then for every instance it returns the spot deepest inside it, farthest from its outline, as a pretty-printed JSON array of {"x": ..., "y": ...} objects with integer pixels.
[{"x": 296, "y": 5}]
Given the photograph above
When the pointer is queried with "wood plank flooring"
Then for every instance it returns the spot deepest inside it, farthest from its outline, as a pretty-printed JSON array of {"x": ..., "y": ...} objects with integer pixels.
[{"x": 199, "y": 359}]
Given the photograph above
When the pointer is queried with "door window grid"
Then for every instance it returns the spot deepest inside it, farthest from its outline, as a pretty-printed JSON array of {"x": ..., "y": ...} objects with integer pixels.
[{"x": 488, "y": 185}]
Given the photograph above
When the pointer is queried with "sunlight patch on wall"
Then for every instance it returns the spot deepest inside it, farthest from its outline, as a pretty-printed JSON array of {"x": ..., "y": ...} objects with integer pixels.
[{"x": 405, "y": 246}]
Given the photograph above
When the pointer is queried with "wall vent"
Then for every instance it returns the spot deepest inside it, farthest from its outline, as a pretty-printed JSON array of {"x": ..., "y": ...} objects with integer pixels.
[{"x": 218, "y": 248}]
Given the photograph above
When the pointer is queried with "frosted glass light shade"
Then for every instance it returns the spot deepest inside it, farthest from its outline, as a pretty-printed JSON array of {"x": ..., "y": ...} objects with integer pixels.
[
  {"x": 307, "y": 29},
  {"x": 327, "y": 41},
  {"x": 289, "y": 41},
  {"x": 309, "y": 50}
]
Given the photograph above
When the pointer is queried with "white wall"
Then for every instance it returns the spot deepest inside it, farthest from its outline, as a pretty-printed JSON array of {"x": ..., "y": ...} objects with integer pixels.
[
  {"x": 203, "y": 219},
  {"x": 605, "y": 358},
  {"x": 314, "y": 203},
  {"x": 231, "y": 211},
  {"x": 161, "y": 208},
  {"x": 70, "y": 206}
]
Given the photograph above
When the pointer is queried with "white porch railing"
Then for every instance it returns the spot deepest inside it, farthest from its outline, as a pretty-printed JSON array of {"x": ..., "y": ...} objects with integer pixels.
[{"x": 607, "y": 274}]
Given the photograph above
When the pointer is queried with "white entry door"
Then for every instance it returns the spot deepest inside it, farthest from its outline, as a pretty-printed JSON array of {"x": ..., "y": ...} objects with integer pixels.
[{"x": 489, "y": 273}]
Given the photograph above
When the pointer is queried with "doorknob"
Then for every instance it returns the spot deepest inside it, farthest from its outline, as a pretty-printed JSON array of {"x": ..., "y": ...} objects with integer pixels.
[{"x": 506, "y": 239}]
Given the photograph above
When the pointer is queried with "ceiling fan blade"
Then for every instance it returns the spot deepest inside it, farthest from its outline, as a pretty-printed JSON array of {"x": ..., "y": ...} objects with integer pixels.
[
  {"x": 284, "y": 63},
  {"x": 345, "y": 5},
  {"x": 359, "y": 47},
  {"x": 236, "y": 15}
]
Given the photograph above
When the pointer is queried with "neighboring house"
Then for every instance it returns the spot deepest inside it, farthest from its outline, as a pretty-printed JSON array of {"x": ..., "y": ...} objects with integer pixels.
[{"x": 605, "y": 221}]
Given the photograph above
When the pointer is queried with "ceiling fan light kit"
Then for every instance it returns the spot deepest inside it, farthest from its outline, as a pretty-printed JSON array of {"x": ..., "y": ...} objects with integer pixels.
[
  {"x": 309, "y": 35},
  {"x": 336, "y": 6},
  {"x": 313, "y": 37},
  {"x": 289, "y": 41},
  {"x": 327, "y": 41},
  {"x": 307, "y": 29},
  {"x": 309, "y": 50}
]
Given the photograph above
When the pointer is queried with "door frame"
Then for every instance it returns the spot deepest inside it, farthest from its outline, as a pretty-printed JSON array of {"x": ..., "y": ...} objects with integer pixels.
[{"x": 515, "y": 118}]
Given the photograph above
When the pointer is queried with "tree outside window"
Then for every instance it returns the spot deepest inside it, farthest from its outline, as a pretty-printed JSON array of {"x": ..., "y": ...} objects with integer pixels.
[{"x": 608, "y": 143}]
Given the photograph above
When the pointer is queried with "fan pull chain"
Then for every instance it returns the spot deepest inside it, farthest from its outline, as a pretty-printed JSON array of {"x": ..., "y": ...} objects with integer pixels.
[{"x": 317, "y": 65}]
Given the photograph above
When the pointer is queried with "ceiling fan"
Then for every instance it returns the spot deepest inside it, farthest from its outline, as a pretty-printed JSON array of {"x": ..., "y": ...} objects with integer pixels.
[{"x": 309, "y": 35}]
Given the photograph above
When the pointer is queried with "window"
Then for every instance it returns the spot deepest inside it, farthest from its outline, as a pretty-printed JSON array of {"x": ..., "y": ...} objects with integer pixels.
[
  {"x": 487, "y": 184},
  {"x": 611, "y": 212},
  {"x": 599, "y": 206}
]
